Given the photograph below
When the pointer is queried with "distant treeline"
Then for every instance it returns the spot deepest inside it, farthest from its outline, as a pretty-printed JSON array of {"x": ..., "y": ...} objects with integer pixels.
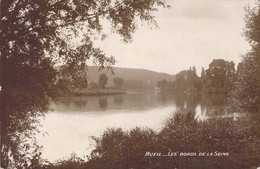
[
  {"x": 105, "y": 80},
  {"x": 218, "y": 78},
  {"x": 118, "y": 83}
]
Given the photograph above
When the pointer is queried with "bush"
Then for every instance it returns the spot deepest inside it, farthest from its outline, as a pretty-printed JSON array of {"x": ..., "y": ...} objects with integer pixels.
[
  {"x": 181, "y": 133},
  {"x": 119, "y": 149},
  {"x": 73, "y": 162},
  {"x": 226, "y": 142}
]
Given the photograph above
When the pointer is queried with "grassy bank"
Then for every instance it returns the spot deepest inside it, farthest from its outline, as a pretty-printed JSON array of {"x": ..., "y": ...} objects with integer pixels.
[{"x": 183, "y": 142}]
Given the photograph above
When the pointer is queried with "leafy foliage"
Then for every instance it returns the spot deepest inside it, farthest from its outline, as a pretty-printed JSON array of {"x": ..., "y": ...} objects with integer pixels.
[
  {"x": 220, "y": 72},
  {"x": 182, "y": 133},
  {"x": 218, "y": 78},
  {"x": 39, "y": 55},
  {"x": 73, "y": 162},
  {"x": 246, "y": 93}
]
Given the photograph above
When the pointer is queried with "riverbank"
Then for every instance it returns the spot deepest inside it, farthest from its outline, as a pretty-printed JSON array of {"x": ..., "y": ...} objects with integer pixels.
[{"x": 97, "y": 92}]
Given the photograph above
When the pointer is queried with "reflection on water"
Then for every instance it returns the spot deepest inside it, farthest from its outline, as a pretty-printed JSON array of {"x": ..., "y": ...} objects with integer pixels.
[
  {"x": 118, "y": 100},
  {"x": 206, "y": 103},
  {"x": 75, "y": 119},
  {"x": 102, "y": 102}
]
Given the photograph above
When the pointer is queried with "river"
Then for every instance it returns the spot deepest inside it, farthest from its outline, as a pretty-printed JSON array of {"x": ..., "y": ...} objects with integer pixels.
[{"x": 75, "y": 119}]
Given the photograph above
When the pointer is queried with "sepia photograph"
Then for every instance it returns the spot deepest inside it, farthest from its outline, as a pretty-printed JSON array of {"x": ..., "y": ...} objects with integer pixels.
[{"x": 130, "y": 84}]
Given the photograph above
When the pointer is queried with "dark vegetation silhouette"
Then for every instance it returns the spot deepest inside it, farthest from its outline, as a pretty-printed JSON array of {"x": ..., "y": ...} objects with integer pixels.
[
  {"x": 182, "y": 133},
  {"x": 218, "y": 78},
  {"x": 245, "y": 95},
  {"x": 103, "y": 80},
  {"x": 37, "y": 36}
]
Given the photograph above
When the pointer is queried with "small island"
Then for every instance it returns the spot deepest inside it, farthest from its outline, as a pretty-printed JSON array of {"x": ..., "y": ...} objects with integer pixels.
[
  {"x": 95, "y": 82},
  {"x": 101, "y": 87}
]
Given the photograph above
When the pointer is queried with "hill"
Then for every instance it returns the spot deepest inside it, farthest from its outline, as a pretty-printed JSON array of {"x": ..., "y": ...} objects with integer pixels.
[{"x": 131, "y": 76}]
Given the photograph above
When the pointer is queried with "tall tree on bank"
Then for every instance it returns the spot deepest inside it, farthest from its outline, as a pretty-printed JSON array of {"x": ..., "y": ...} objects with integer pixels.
[
  {"x": 103, "y": 80},
  {"x": 37, "y": 35},
  {"x": 220, "y": 73},
  {"x": 246, "y": 94}
]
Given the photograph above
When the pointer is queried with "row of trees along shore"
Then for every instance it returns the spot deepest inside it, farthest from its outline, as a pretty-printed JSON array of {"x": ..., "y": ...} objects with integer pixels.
[
  {"x": 97, "y": 88},
  {"x": 218, "y": 78},
  {"x": 118, "y": 82}
]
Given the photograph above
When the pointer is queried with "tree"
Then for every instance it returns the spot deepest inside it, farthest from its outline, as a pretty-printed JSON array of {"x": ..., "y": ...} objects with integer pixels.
[
  {"x": 118, "y": 81},
  {"x": 163, "y": 85},
  {"x": 203, "y": 75},
  {"x": 219, "y": 72},
  {"x": 245, "y": 95},
  {"x": 103, "y": 80},
  {"x": 193, "y": 81},
  {"x": 181, "y": 81},
  {"x": 36, "y": 36}
]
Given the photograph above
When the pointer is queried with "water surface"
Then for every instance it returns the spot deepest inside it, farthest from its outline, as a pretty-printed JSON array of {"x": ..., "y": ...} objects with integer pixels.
[{"x": 76, "y": 119}]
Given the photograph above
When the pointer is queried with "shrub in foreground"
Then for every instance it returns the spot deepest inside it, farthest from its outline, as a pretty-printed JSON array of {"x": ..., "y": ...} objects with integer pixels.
[{"x": 225, "y": 142}]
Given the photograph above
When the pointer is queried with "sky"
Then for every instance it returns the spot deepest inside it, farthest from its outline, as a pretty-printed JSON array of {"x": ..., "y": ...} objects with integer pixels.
[{"x": 191, "y": 33}]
